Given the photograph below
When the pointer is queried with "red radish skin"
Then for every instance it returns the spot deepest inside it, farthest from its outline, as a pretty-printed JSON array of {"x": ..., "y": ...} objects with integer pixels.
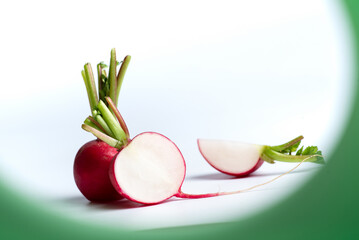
[
  {"x": 91, "y": 166},
  {"x": 242, "y": 174}
]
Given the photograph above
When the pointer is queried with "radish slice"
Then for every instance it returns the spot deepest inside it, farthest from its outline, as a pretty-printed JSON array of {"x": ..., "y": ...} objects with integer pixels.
[
  {"x": 149, "y": 170},
  {"x": 230, "y": 157},
  {"x": 240, "y": 159}
]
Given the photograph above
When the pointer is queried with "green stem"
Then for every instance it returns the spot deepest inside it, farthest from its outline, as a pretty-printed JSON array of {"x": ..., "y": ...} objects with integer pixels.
[
  {"x": 271, "y": 154},
  {"x": 112, "y": 75},
  {"x": 107, "y": 139},
  {"x": 91, "y": 124},
  {"x": 105, "y": 88},
  {"x": 104, "y": 125},
  {"x": 104, "y": 73},
  {"x": 111, "y": 121},
  {"x": 87, "y": 75},
  {"x": 99, "y": 80},
  {"x": 279, "y": 148},
  {"x": 121, "y": 75},
  {"x": 96, "y": 124},
  {"x": 118, "y": 116}
]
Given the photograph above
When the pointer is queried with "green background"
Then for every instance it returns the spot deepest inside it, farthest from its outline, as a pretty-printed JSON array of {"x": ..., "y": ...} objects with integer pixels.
[{"x": 325, "y": 208}]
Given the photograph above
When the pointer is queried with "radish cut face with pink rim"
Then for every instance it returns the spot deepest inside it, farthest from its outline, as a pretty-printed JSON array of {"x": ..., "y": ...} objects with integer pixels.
[
  {"x": 149, "y": 170},
  {"x": 230, "y": 157},
  {"x": 241, "y": 159}
]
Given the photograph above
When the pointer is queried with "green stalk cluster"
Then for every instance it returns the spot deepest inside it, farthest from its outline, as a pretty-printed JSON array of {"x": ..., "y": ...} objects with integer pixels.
[
  {"x": 106, "y": 122},
  {"x": 289, "y": 152}
]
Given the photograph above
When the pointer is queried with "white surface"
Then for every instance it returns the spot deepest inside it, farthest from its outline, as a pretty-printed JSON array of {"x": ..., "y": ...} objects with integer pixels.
[{"x": 255, "y": 71}]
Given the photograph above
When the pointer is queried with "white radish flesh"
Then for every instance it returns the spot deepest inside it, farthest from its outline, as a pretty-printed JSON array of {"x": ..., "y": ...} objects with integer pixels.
[
  {"x": 231, "y": 157},
  {"x": 150, "y": 169}
]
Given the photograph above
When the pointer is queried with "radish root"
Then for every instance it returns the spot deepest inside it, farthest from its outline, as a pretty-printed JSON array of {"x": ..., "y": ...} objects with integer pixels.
[{"x": 181, "y": 194}]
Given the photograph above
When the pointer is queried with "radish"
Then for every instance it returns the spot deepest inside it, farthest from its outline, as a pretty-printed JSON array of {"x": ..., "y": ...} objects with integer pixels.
[
  {"x": 93, "y": 159},
  {"x": 241, "y": 159},
  {"x": 147, "y": 169},
  {"x": 150, "y": 168}
]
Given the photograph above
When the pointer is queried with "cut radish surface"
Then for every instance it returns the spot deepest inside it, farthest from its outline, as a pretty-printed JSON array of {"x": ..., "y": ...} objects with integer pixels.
[
  {"x": 240, "y": 159},
  {"x": 150, "y": 169},
  {"x": 230, "y": 157}
]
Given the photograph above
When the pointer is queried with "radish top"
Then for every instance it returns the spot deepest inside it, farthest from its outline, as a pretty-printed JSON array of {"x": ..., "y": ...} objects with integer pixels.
[
  {"x": 106, "y": 122},
  {"x": 289, "y": 152}
]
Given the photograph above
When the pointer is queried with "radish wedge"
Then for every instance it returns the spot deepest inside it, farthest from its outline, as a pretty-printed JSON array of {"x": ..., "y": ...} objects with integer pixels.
[
  {"x": 230, "y": 157},
  {"x": 149, "y": 170},
  {"x": 240, "y": 159}
]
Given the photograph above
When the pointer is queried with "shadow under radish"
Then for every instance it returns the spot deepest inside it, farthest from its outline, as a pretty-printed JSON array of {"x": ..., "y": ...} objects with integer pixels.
[
  {"x": 125, "y": 204},
  {"x": 120, "y": 204}
]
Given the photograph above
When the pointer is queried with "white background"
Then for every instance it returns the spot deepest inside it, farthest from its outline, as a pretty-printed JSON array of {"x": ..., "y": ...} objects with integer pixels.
[{"x": 255, "y": 71}]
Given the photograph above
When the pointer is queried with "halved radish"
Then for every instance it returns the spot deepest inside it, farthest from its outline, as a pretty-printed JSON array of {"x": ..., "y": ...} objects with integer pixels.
[
  {"x": 240, "y": 159},
  {"x": 150, "y": 169}
]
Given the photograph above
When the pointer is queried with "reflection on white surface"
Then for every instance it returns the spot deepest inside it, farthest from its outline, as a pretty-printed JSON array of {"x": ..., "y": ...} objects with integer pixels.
[{"x": 256, "y": 71}]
